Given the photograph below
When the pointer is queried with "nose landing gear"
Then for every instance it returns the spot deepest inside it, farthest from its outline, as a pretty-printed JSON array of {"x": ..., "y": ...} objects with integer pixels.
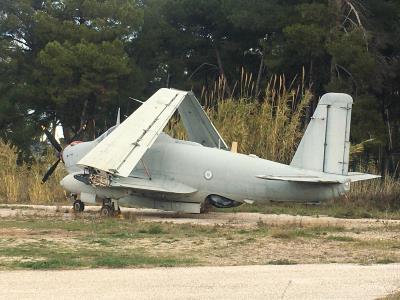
[{"x": 78, "y": 206}]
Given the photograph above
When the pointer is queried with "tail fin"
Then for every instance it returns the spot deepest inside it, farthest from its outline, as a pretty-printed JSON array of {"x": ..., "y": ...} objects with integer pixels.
[{"x": 325, "y": 145}]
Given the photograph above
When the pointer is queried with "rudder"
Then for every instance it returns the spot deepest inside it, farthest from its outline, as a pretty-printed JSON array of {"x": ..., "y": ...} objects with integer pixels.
[{"x": 325, "y": 146}]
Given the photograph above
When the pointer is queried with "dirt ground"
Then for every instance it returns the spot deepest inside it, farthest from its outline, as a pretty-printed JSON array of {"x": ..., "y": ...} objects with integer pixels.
[{"x": 228, "y": 238}]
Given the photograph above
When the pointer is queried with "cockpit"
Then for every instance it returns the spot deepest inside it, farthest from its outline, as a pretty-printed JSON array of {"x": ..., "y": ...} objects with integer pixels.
[{"x": 105, "y": 134}]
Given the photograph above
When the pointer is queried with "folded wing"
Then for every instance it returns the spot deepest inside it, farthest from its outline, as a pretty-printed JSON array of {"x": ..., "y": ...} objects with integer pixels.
[
  {"x": 123, "y": 148},
  {"x": 198, "y": 125}
]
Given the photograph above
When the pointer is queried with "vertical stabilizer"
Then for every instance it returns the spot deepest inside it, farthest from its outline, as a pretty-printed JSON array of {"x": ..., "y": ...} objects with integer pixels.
[
  {"x": 325, "y": 145},
  {"x": 118, "y": 117}
]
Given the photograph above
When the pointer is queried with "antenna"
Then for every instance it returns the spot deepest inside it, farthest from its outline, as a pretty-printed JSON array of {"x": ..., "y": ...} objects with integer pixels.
[
  {"x": 118, "y": 117},
  {"x": 141, "y": 102}
]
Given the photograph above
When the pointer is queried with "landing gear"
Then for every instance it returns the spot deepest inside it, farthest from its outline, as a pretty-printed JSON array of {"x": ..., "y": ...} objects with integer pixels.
[
  {"x": 110, "y": 208},
  {"x": 106, "y": 211},
  {"x": 205, "y": 207},
  {"x": 78, "y": 206}
]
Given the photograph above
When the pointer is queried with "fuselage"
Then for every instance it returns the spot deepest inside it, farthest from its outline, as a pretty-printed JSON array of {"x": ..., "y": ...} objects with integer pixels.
[{"x": 209, "y": 171}]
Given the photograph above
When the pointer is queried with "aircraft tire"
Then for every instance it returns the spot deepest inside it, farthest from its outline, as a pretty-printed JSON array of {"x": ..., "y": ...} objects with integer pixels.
[
  {"x": 205, "y": 207},
  {"x": 106, "y": 211},
  {"x": 78, "y": 206}
]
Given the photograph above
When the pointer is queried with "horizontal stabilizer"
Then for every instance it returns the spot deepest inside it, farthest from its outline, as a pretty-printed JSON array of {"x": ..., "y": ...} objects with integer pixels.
[
  {"x": 355, "y": 176},
  {"x": 331, "y": 179},
  {"x": 301, "y": 178}
]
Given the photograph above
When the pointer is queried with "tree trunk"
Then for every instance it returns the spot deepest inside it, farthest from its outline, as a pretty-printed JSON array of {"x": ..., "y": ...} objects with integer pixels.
[
  {"x": 337, "y": 5},
  {"x": 221, "y": 71},
  {"x": 67, "y": 134},
  {"x": 260, "y": 71},
  {"x": 390, "y": 143}
]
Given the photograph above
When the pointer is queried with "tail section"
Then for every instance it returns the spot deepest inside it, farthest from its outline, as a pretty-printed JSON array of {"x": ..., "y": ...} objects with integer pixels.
[{"x": 325, "y": 146}]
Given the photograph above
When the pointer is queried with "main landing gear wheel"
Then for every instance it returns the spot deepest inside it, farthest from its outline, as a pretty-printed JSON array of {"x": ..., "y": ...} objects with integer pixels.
[
  {"x": 110, "y": 208},
  {"x": 78, "y": 206},
  {"x": 107, "y": 211},
  {"x": 205, "y": 207}
]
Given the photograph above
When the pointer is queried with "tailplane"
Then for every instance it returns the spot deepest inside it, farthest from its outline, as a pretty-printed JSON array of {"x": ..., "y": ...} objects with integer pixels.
[{"x": 325, "y": 146}]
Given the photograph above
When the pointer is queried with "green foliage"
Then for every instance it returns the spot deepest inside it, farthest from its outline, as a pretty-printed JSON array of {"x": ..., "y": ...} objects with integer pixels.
[
  {"x": 63, "y": 58},
  {"x": 73, "y": 62}
]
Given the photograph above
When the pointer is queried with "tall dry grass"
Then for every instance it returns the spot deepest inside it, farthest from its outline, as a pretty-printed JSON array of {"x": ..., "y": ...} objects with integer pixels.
[
  {"x": 270, "y": 127},
  {"x": 22, "y": 183},
  {"x": 382, "y": 194}
]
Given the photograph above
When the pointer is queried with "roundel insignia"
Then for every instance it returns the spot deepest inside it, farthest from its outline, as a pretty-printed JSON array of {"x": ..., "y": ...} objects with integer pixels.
[{"x": 208, "y": 175}]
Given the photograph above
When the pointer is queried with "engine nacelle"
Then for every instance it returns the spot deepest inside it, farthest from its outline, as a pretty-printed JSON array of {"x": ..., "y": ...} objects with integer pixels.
[{"x": 222, "y": 202}]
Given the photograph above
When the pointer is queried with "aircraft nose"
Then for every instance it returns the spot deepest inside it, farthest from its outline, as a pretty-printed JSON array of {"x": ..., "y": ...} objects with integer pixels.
[
  {"x": 65, "y": 155},
  {"x": 73, "y": 185},
  {"x": 63, "y": 181},
  {"x": 68, "y": 183}
]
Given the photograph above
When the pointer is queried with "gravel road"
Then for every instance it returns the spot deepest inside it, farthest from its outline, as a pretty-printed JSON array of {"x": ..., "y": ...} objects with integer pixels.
[{"x": 329, "y": 281}]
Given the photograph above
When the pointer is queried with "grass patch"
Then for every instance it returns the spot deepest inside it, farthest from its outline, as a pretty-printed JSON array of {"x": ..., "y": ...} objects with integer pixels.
[
  {"x": 155, "y": 229},
  {"x": 392, "y": 244},
  {"x": 114, "y": 261},
  {"x": 101, "y": 242},
  {"x": 305, "y": 232},
  {"x": 52, "y": 263},
  {"x": 91, "y": 243},
  {"x": 340, "y": 238},
  {"x": 281, "y": 262},
  {"x": 31, "y": 256},
  {"x": 385, "y": 260},
  {"x": 338, "y": 208},
  {"x": 283, "y": 235}
]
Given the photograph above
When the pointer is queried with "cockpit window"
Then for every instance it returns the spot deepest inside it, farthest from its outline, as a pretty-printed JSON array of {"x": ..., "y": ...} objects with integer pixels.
[{"x": 102, "y": 137}]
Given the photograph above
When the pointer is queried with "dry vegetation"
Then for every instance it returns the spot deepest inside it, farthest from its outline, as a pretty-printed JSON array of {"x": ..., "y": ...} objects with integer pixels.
[
  {"x": 270, "y": 128},
  {"x": 22, "y": 183}
]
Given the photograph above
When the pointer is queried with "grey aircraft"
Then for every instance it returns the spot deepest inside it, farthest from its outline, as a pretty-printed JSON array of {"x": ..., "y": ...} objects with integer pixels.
[{"x": 135, "y": 164}]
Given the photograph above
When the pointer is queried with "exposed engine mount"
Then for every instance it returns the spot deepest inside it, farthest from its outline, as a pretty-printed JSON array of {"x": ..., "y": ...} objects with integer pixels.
[
  {"x": 222, "y": 202},
  {"x": 95, "y": 179}
]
